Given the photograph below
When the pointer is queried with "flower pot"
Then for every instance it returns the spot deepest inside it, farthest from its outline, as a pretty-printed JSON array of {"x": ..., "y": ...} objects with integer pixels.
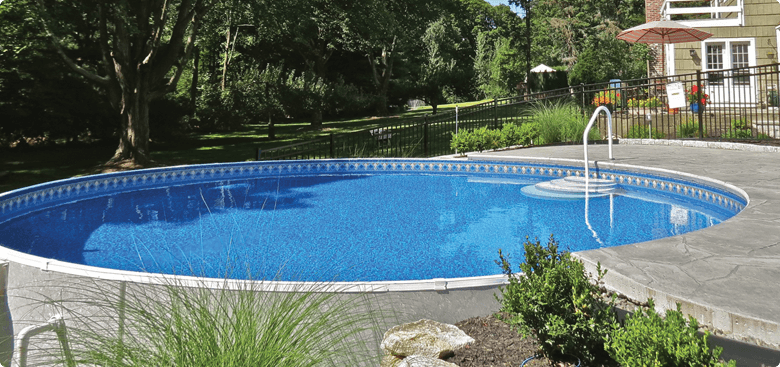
[{"x": 696, "y": 106}]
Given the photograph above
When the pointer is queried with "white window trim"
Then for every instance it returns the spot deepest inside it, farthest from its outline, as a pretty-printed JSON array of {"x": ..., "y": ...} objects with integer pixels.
[
  {"x": 728, "y": 65},
  {"x": 727, "y": 41},
  {"x": 777, "y": 41},
  {"x": 671, "y": 68}
]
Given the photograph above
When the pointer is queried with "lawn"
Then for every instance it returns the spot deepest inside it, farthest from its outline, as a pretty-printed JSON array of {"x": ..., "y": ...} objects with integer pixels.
[{"x": 34, "y": 165}]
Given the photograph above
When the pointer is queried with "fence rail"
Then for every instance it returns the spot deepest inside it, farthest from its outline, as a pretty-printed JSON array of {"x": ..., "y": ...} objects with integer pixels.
[{"x": 740, "y": 103}]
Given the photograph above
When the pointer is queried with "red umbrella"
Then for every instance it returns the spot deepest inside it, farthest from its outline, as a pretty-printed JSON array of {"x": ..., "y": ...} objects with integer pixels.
[{"x": 663, "y": 32}]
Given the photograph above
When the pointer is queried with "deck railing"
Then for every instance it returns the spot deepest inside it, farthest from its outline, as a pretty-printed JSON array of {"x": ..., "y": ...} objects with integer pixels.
[{"x": 741, "y": 104}]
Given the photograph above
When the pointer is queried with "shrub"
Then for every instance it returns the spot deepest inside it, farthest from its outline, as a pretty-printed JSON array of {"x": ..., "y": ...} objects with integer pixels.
[
  {"x": 529, "y": 131},
  {"x": 493, "y": 139},
  {"x": 459, "y": 142},
  {"x": 641, "y": 132},
  {"x": 740, "y": 129},
  {"x": 510, "y": 135},
  {"x": 554, "y": 299},
  {"x": 646, "y": 339},
  {"x": 689, "y": 129},
  {"x": 479, "y": 137},
  {"x": 484, "y": 138}
]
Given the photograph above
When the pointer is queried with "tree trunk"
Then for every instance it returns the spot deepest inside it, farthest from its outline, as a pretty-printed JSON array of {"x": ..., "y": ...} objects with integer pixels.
[
  {"x": 271, "y": 128},
  {"x": 194, "y": 85},
  {"x": 134, "y": 140},
  {"x": 435, "y": 108},
  {"x": 316, "y": 118},
  {"x": 381, "y": 108}
]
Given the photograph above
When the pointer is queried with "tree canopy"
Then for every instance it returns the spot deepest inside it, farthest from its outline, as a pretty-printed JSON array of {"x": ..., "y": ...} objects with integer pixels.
[{"x": 132, "y": 69}]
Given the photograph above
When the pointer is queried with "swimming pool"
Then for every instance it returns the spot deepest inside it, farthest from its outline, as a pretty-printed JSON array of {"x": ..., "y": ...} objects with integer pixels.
[{"x": 368, "y": 220}]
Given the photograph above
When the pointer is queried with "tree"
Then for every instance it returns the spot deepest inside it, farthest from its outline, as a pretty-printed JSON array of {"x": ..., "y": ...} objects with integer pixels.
[
  {"x": 40, "y": 99},
  {"x": 144, "y": 46},
  {"x": 320, "y": 28},
  {"x": 398, "y": 27},
  {"x": 441, "y": 43},
  {"x": 527, "y": 6}
]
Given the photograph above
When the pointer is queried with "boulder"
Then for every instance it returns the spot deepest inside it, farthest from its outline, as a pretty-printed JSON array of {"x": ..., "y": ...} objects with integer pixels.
[
  {"x": 424, "y": 338},
  {"x": 390, "y": 361},
  {"x": 422, "y": 361}
]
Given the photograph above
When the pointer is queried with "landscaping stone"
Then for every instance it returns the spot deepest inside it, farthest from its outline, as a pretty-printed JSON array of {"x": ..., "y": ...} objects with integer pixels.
[
  {"x": 422, "y": 361},
  {"x": 424, "y": 338}
]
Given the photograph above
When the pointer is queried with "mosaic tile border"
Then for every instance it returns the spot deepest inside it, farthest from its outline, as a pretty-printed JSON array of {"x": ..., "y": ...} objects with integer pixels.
[{"x": 56, "y": 192}]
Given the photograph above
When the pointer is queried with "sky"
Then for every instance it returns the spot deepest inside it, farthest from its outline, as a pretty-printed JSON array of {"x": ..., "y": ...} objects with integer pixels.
[{"x": 515, "y": 8}]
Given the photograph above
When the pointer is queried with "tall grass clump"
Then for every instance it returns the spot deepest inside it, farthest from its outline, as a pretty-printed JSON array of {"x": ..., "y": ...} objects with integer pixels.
[
  {"x": 560, "y": 121},
  {"x": 176, "y": 324}
]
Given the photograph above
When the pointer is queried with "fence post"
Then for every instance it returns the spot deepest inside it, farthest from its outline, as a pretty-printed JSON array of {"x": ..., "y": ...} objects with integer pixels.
[
  {"x": 331, "y": 146},
  {"x": 495, "y": 113},
  {"x": 701, "y": 108},
  {"x": 425, "y": 136}
]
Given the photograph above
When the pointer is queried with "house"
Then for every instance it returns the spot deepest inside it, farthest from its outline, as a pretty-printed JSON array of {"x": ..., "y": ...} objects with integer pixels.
[{"x": 745, "y": 33}]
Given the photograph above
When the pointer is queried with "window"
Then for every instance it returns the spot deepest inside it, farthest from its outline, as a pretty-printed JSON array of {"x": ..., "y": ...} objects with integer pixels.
[
  {"x": 714, "y": 54},
  {"x": 739, "y": 59}
]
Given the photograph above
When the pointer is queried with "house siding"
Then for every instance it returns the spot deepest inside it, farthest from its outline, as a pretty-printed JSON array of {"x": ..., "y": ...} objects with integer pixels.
[{"x": 761, "y": 18}]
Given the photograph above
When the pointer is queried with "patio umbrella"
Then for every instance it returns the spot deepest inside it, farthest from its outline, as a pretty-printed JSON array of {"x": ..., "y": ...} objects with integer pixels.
[
  {"x": 663, "y": 32},
  {"x": 542, "y": 68}
]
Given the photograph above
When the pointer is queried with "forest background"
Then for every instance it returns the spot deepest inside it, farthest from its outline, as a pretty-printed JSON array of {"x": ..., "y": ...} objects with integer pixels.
[{"x": 148, "y": 70}]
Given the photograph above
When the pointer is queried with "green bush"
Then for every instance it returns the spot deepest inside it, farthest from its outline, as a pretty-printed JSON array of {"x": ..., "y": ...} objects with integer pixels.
[
  {"x": 641, "y": 132},
  {"x": 646, "y": 339},
  {"x": 493, "y": 139},
  {"x": 484, "y": 138},
  {"x": 510, "y": 135},
  {"x": 529, "y": 131},
  {"x": 740, "y": 129},
  {"x": 555, "y": 300},
  {"x": 689, "y": 129},
  {"x": 460, "y": 142}
]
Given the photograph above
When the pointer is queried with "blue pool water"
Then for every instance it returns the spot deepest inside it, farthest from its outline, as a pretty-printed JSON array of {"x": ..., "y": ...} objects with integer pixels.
[{"x": 345, "y": 227}]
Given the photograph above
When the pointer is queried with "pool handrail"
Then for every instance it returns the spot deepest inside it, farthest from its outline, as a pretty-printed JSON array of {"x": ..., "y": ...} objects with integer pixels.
[{"x": 587, "y": 130}]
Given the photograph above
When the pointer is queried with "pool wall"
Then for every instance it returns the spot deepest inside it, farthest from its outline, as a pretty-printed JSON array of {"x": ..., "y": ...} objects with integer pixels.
[{"x": 33, "y": 280}]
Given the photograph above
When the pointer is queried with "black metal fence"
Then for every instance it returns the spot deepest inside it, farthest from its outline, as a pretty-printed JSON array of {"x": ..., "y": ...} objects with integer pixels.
[{"x": 738, "y": 104}]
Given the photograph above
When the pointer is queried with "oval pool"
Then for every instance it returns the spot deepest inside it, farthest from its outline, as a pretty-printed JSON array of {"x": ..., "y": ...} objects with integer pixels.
[{"x": 364, "y": 220}]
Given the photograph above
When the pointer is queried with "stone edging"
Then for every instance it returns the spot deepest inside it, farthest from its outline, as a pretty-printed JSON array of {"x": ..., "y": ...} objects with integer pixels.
[{"x": 703, "y": 144}]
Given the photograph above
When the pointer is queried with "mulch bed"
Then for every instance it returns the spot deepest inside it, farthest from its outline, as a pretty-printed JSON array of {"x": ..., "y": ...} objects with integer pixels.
[{"x": 496, "y": 344}]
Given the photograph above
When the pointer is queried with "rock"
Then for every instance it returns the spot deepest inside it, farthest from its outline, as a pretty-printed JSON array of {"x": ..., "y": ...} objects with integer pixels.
[
  {"x": 424, "y": 338},
  {"x": 422, "y": 361},
  {"x": 390, "y": 361}
]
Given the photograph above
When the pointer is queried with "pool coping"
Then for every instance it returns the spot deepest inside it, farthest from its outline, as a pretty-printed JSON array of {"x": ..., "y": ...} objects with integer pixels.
[{"x": 721, "y": 275}]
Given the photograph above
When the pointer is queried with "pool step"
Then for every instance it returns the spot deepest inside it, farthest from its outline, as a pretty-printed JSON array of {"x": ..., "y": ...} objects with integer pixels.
[{"x": 572, "y": 187}]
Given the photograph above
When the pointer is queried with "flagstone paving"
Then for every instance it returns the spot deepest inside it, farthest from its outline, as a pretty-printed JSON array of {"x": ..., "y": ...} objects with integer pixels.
[{"x": 727, "y": 276}]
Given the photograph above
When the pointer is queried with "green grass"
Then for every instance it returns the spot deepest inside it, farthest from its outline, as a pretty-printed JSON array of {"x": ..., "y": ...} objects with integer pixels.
[{"x": 36, "y": 165}]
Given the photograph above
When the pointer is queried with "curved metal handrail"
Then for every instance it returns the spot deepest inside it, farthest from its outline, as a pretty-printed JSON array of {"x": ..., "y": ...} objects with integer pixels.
[{"x": 585, "y": 136}]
